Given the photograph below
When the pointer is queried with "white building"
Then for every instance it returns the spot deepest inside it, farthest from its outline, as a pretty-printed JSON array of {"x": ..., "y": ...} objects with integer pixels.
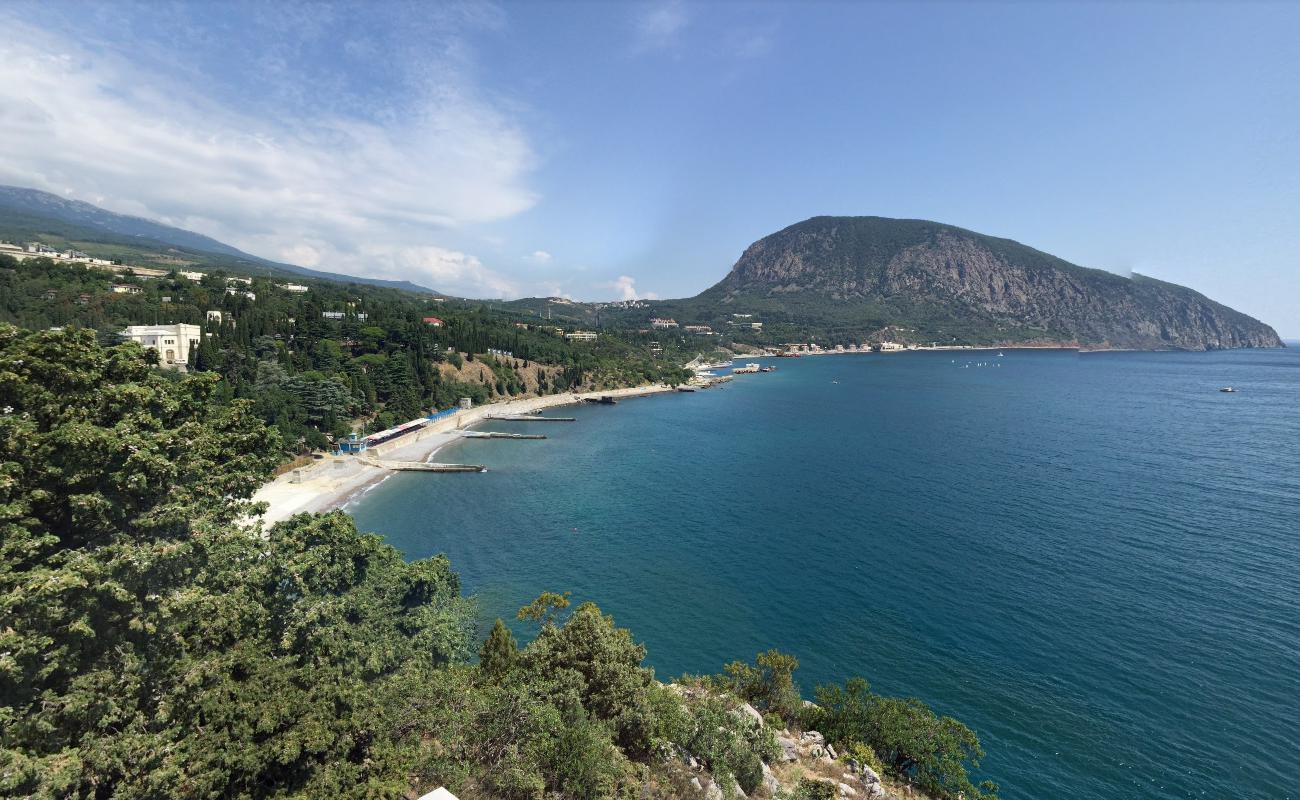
[
  {"x": 296, "y": 288},
  {"x": 191, "y": 276},
  {"x": 581, "y": 336},
  {"x": 126, "y": 288},
  {"x": 214, "y": 316},
  {"x": 662, "y": 324},
  {"x": 173, "y": 342}
]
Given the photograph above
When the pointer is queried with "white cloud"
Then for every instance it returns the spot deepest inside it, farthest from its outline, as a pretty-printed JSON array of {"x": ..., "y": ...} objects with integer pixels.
[
  {"x": 625, "y": 285},
  {"x": 539, "y": 257},
  {"x": 331, "y": 189},
  {"x": 658, "y": 26}
]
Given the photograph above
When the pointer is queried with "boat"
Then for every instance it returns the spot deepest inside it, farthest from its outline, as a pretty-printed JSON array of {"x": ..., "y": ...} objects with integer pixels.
[
  {"x": 1227, "y": 389},
  {"x": 767, "y": 369}
]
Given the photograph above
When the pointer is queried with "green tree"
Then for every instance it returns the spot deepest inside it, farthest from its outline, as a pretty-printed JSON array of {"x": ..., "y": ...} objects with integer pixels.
[{"x": 499, "y": 651}]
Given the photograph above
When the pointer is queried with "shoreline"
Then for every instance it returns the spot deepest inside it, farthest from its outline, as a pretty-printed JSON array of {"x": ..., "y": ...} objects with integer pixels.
[{"x": 333, "y": 481}]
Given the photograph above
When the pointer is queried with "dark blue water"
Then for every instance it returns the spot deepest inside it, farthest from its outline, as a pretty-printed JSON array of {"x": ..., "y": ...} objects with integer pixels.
[{"x": 1093, "y": 561}]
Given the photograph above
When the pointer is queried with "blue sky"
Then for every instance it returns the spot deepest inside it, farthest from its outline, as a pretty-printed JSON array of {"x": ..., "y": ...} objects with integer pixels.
[{"x": 604, "y": 150}]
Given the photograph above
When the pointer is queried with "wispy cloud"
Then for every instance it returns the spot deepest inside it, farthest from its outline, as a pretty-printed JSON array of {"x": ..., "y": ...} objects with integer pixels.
[
  {"x": 659, "y": 26},
  {"x": 539, "y": 257},
  {"x": 625, "y": 285},
  {"x": 321, "y": 184}
]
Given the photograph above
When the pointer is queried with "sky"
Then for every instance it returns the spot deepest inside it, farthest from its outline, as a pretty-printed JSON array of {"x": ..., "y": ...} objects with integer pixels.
[{"x": 617, "y": 150}]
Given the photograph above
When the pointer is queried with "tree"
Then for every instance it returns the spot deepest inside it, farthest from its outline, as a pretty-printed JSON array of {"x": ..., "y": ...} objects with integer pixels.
[
  {"x": 499, "y": 651},
  {"x": 769, "y": 683},
  {"x": 911, "y": 740}
]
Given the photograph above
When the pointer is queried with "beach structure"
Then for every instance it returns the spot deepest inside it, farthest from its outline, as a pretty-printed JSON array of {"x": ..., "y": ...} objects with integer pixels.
[{"x": 173, "y": 342}]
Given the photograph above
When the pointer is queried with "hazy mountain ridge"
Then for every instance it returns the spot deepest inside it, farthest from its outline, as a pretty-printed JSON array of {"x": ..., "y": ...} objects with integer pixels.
[{"x": 32, "y": 213}]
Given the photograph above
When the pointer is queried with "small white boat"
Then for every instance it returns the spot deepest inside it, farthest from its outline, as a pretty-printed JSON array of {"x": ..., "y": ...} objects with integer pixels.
[{"x": 1227, "y": 389}]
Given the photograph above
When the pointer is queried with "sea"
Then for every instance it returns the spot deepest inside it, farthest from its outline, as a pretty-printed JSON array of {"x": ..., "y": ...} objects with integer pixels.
[{"x": 1092, "y": 560}]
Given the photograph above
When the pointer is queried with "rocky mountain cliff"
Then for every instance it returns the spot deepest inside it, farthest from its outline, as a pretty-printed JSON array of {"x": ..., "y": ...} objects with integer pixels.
[{"x": 943, "y": 283}]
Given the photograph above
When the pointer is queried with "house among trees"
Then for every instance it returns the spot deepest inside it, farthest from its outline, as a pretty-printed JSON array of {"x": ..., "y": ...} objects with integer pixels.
[
  {"x": 433, "y": 321},
  {"x": 173, "y": 342}
]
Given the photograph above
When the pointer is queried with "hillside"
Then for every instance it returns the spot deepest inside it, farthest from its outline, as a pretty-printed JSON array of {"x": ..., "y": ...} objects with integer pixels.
[
  {"x": 942, "y": 283},
  {"x": 33, "y": 215}
]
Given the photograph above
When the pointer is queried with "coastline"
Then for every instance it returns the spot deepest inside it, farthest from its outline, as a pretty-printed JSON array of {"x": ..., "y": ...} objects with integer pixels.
[{"x": 331, "y": 482}]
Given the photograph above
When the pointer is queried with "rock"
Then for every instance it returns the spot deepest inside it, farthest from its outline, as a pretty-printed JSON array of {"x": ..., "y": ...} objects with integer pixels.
[
  {"x": 770, "y": 783},
  {"x": 692, "y": 762},
  {"x": 747, "y": 711},
  {"x": 789, "y": 748},
  {"x": 736, "y": 791},
  {"x": 812, "y": 737},
  {"x": 817, "y": 751},
  {"x": 868, "y": 774},
  {"x": 695, "y": 782},
  {"x": 714, "y": 792},
  {"x": 830, "y": 751},
  {"x": 875, "y": 790},
  {"x": 846, "y": 790}
]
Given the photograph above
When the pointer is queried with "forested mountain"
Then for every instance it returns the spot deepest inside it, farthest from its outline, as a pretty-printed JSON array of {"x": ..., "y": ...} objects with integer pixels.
[
  {"x": 33, "y": 215},
  {"x": 941, "y": 283}
]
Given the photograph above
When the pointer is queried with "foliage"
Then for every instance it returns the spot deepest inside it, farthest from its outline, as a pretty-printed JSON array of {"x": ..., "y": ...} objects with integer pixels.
[
  {"x": 768, "y": 683},
  {"x": 911, "y": 740},
  {"x": 153, "y": 647},
  {"x": 498, "y": 654}
]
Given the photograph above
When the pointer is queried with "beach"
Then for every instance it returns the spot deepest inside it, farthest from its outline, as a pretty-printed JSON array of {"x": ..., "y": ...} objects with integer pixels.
[{"x": 332, "y": 480}]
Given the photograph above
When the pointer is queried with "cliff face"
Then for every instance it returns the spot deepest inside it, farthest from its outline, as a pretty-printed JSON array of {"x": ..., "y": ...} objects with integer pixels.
[{"x": 907, "y": 272}]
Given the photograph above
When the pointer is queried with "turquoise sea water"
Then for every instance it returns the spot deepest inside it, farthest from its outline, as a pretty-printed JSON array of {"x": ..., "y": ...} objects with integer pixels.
[{"x": 1093, "y": 561}]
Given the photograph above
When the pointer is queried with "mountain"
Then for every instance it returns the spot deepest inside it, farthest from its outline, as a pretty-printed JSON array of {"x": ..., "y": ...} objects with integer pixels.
[
  {"x": 30, "y": 214},
  {"x": 925, "y": 281}
]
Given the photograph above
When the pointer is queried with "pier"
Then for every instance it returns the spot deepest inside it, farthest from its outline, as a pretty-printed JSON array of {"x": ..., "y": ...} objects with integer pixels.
[
  {"x": 528, "y": 418},
  {"x": 501, "y": 435},
  {"x": 420, "y": 466}
]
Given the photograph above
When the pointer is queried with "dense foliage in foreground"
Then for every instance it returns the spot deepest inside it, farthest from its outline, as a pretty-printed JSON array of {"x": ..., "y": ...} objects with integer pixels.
[{"x": 151, "y": 645}]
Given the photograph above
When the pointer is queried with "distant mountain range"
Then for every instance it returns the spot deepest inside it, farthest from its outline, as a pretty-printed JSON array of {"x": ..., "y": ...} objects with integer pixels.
[{"x": 30, "y": 214}]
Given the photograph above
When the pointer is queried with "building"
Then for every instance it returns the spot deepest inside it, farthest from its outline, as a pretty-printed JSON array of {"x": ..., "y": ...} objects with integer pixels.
[
  {"x": 191, "y": 276},
  {"x": 233, "y": 291},
  {"x": 581, "y": 336},
  {"x": 174, "y": 343},
  {"x": 662, "y": 324},
  {"x": 702, "y": 330},
  {"x": 126, "y": 288},
  {"x": 333, "y": 314},
  {"x": 296, "y": 288},
  {"x": 50, "y": 294},
  {"x": 433, "y": 321},
  {"x": 214, "y": 316}
]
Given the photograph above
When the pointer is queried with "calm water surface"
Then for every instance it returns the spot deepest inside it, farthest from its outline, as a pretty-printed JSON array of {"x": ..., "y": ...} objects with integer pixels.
[{"x": 1093, "y": 561}]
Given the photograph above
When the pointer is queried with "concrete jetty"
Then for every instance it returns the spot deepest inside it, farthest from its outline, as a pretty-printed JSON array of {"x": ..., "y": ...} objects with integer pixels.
[
  {"x": 501, "y": 435},
  {"x": 528, "y": 418},
  {"x": 420, "y": 466}
]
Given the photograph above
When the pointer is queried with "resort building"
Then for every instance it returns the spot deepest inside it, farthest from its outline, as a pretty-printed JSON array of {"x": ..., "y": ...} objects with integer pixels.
[
  {"x": 191, "y": 276},
  {"x": 581, "y": 336},
  {"x": 662, "y": 324},
  {"x": 702, "y": 330},
  {"x": 433, "y": 322},
  {"x": 126, "y": 288},
  {"x": 173, "y": 342},
  {"x": 333, "y": 314},
  {"x": 296, "y": 288}
]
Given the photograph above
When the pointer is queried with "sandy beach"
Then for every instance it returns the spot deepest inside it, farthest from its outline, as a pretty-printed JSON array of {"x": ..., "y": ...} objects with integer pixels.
[{"x": 330, "y": 482}]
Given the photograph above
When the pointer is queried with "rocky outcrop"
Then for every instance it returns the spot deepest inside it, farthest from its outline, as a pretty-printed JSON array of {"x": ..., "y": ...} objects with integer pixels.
[{"x": 939, "y": 279}]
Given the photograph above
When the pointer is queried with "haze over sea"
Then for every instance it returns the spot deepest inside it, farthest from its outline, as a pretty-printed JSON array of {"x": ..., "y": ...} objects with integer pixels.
[{"x": 1092, "y": 560}]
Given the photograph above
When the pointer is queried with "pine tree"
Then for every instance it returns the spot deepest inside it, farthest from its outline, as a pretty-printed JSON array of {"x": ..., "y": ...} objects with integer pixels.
[{"x": 499, "y": 651}]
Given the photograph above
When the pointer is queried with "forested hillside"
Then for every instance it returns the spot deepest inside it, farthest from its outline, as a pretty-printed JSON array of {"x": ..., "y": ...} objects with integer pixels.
[
  {"x": 380, "y": 363},
  {"x": 152, "y": 646}
]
